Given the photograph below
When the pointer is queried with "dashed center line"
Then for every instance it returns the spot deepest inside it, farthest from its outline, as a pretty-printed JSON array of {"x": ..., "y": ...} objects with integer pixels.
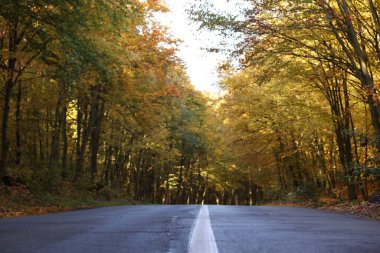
[{"x": 202, "y": 237}]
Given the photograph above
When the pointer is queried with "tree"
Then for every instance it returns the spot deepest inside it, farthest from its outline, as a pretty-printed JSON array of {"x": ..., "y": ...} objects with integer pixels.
[{"x": 27, "y": 28}]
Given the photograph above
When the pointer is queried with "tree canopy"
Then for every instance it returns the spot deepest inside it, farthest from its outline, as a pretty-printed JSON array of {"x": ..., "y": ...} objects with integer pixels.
[{"x": 94, "y": 99}]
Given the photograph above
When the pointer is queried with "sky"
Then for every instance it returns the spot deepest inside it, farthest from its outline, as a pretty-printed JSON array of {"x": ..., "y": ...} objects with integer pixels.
[{"x": 201, "y": 65}]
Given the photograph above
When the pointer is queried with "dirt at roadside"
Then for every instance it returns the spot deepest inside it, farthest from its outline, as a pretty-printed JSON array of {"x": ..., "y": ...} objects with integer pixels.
[{"x": 363, "y": 209}]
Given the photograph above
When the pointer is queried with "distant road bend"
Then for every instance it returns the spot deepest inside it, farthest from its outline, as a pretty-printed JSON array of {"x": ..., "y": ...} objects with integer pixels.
[{"x": 193, "y": 229}]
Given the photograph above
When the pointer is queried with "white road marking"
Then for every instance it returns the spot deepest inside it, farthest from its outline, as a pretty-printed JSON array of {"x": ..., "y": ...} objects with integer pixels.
[{"x": 202, "y": 237}]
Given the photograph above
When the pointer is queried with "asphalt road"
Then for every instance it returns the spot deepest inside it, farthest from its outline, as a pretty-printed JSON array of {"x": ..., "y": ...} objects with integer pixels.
[{"x": 190, "y": 229}]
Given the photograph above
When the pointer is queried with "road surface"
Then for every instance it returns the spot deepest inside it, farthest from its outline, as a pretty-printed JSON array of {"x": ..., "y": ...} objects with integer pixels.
[{"x": 207, "y": 229}]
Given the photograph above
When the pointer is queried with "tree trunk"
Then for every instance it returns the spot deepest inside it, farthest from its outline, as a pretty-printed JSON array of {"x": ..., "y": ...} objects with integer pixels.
[
  {"x": 18, "y": 124},
  {"x": 56, "y": 132},
  {"x": 78, "y": 167},
  {"x": 64, "y": 139},
  {"x": 85, "y": 123},
  {"x": 4, "y": 128},
  {"x": 14, "y": 41},
  {"x": 97, "y": 116}
]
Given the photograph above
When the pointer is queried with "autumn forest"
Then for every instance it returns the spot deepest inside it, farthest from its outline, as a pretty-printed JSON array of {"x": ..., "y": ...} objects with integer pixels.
[{"x": 95, "y": 102}]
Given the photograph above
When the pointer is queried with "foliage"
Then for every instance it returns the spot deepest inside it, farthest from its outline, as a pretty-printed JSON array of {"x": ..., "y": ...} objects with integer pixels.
[
  {"x": 302, "y": 105},
  {"x": 95, "y": 103}
]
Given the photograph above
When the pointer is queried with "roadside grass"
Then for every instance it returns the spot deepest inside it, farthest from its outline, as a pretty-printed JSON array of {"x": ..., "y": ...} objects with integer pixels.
[{"x": 18, "y": 200}]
